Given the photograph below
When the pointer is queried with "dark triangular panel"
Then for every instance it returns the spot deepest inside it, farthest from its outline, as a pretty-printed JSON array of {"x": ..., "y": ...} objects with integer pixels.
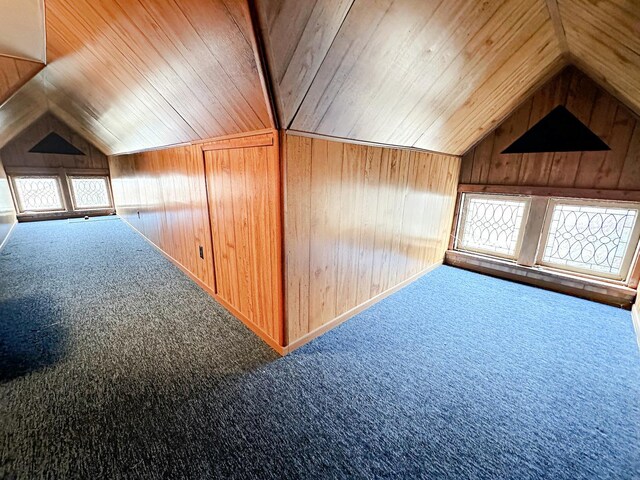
[
  {"x": 559, "y": 131},
  {"x": 54, "y": 143}
]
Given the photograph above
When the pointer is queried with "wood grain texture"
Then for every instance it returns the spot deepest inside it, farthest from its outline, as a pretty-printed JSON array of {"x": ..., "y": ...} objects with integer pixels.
[
  {"x": 434, "y": 75},
  {"x": 22, "y": 109},
  {"x": 618, "y": 168},
  {"x": 358, "y": 221},
  {"x": 243, "y": 186},
  {"x": 297, "y": 36},
  {"x": 16, "y": 152},
  {"x": 228, "y": 202},
  {"x": 162, "y": 194},
  {"x": 131, "y": 75},
  {"x": 15, "y": 72},
  {"x": 604, "y": 40},
  {"x": 7, "y": 209}
]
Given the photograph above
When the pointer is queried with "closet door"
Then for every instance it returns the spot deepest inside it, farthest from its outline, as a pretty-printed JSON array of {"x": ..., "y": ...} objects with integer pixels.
[{"x": 243, "y": 187}]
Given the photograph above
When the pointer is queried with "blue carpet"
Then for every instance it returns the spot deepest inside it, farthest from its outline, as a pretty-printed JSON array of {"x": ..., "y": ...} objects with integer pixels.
[{"x": 115, "y": 365}]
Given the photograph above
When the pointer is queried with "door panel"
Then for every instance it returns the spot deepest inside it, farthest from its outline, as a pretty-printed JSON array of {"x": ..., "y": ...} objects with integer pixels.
[{"x": 243, "y": 187}]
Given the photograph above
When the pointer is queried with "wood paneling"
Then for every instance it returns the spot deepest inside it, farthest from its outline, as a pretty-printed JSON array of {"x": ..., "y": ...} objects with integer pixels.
[
  {"x": 359, "y": 220},
  {"x": 14, "y": 73},
  {"x": 16, "y": 152},
  {"x": 162, "y": 194},
  {"x": 22, "y": 30},
  {"x": 434, "y": 75},
  {"x": 604, "y": 40},
  {"x": 618, "y": 168},
  {"x": 22, "y": 109},
  {"x": 7, "y": 210},
  {"x": 243, "y": 186},
  {"x": 169, "y": 197},
  {"x": 132, "y": 75},
  {"x": 297, "y": 37}
]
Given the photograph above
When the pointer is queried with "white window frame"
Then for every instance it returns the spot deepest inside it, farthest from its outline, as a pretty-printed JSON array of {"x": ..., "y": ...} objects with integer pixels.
[
  {"x": 628, "y": 258},
  {"x": 463, "y": 215},
  {"x": 73, "y": 194},
  {"x": 18, "y": 199}
]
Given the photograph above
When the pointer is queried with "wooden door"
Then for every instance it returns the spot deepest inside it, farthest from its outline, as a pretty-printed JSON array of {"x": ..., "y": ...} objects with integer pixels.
[{"x": 243, "y": 188}]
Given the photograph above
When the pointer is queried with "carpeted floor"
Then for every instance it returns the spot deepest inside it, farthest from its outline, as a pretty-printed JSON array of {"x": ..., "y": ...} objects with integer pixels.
[{"x": 115, "y": 365}]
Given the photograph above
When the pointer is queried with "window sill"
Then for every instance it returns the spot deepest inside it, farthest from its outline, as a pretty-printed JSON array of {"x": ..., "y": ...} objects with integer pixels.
[
  {"x": 611, "y": 293},
  {"x": 32, "y": 217}
]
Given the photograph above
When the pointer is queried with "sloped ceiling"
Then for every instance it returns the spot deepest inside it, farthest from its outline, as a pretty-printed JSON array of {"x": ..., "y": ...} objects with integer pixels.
[
  {"x": 437, "y": 75},
  {"x": 15, "y": 72},
  {"x": 22, "y": 44},
  {"x": 22, "y": 31},
  {"x": 603, "y": 38},
  {"x": 134, "y": 74},
  {"x": 432, "y": 74}
]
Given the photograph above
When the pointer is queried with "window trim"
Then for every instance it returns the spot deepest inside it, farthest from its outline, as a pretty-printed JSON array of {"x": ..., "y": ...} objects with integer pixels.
[
  {"x": 629, "y": 256},
  {"x": 463, "y": 215},
  {"x": 73, "y": 196},
  {"x": 18, "y": 200}
]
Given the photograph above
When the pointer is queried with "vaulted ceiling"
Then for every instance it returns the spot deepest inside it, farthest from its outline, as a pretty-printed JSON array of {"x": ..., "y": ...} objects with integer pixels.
[
  {"x": 432, "y": 74},
  {"x": 438, "y": 74},
  {"x": 135, "y": 74}
]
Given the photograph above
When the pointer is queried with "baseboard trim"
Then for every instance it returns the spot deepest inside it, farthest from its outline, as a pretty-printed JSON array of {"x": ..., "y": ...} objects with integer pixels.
[
  {"x": 354, "y": 311},
  {"x": 635, "y": 316},
  {"x": 4, "y": 242},
  {"x": 256, "y": 330}
]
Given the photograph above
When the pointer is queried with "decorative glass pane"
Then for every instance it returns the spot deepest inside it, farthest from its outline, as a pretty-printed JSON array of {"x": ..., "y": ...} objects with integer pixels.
[
  {"x": 492, "y": 224},
  {"x": 38, "y": 194},
  {"x": 90, "y": 192},
  {"x": 591, "y": 239}
]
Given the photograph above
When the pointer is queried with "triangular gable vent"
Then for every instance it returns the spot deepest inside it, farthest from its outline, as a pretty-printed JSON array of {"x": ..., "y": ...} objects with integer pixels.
[
  {"x": 559, "y": 131},
  {"x": 54, "y": 143}
]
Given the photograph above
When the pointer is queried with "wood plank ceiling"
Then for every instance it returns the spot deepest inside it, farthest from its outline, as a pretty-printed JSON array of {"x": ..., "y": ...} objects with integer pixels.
[
  {"x": 436, "y": 75},
  {"x": 134, "y": 74}
]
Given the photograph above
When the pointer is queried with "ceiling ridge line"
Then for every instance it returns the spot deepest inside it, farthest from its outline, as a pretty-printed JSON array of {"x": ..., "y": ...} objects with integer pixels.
[{"x": 324, "y": 58}]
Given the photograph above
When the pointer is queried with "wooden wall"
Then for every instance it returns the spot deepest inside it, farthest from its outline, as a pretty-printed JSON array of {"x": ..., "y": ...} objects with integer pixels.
[
  {"x": 225, "y": 200},
  {"x": 618, "y": 168},
  {"x": 434, "y": 75},
  {"x": 243, "y": 185},
  {"x": 358, "y": 221},
  {"x": 16, "y": 152},
  {"x": 7, "y": 210},
  {"x": 162, "y": 194},
  {"x": 15, "y": 72}
]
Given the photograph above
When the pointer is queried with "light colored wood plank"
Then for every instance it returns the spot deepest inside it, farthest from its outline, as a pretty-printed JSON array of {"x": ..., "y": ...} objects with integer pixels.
[
  {"x": 428, "y": 74},
  {"x": 244, "y": 201},
  {"x": 14, "y": 73},
  {"x": 297, "y": 37},
  {"x": 360, "y": 220}
]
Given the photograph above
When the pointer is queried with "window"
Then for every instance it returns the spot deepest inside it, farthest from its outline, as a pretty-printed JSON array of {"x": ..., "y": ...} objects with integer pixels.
[
  {"x": 492, "y": 224},
  {"x": 597, "y": 238},
  {"x": 38, "y": 194},
  {"x": 589, "y": 237},
  {"x": 90, "y": 193}
]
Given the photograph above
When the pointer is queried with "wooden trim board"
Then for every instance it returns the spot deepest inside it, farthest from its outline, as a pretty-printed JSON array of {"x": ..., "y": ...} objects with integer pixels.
[
  {"x": 332, "y": 138},
  {"x": 609, "y": 293},
  {"x": 581, "y": 193},
  {"x": 278, "y": 348},
  {"x": 354, "y": 311},
  {"x": 259, "y": 140}
]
